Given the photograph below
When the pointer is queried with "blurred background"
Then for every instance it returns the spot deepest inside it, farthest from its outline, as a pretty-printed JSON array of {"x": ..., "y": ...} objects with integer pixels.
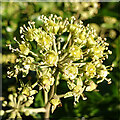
[{"x": 104, "y": 17}]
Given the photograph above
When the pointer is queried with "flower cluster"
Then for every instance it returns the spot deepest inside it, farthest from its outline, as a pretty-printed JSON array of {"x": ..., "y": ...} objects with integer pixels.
[
  {"x": 17, "y": 104},
  {"x": 61, "y": 50},
  {"x": 8, "y": 58},
  {"x": 85, "y": 9},
  {"x": 20, "y": 102}
]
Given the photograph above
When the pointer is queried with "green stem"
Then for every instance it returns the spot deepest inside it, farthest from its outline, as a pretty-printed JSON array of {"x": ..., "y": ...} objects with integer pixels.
[
  {"x": 36, "y": 110},
  {"x": 59, "y": 45},
  {"x": 36, "y": 83},
  {"x": 46, "y": 96},
  {"x": 47, "y": 113},
  {"x": 56, "y": 81},
  {"x": 33, "y": 54},
  {"x": 67, "y": 42},
  {"x": 63, "y": 57},
  {"x": 54, "y": 43},
  {"x": 8, "y": 111},
  {"x": 60, "y": 96},
  {"x": 52, "y": 92}
]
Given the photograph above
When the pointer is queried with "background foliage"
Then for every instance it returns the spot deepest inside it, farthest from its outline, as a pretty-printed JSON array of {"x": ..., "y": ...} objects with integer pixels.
[{"x": 102, "y": 105}]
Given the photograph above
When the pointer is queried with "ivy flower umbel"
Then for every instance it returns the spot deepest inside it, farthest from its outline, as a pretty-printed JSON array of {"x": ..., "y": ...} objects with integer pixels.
[
  {"x": 17, "y": 105},
  {"x": 62, "y": 50}
]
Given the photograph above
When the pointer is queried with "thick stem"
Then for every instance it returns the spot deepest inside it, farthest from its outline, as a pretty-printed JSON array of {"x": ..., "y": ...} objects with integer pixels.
[
  {"x": 52, "y": 92},
  {"x": 46, "y": 96},
  {"x": 47, "y": 113}
]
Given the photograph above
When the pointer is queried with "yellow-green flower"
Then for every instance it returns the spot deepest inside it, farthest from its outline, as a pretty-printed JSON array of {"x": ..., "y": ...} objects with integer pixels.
[
  {"x": 17, "y": 105},
  {"x": 44, "y": 40},
  {"x": 76, "y": 52},
  {"x": 76, "y": 91},
  {"x": 70, "y": 71},
  {"x": 102, "y": 72},
  {"x": 51, "y": 58},
  {"x": 28, "y": 62},
  {"x": 90, "y": 70},
  {"x": 55, "y": 102}
]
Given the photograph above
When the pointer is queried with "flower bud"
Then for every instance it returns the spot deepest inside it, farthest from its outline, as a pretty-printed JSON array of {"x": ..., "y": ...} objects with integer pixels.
[
  {"x": 62, "y": 29},
  {"x": 12, "y": 104},
  {"x": 27, "y": 113},
  {"x": 26, "y": 91},
  {"x": 55, "y": 101},
  {"x": 77, "y": 89},
  {"x": 102, "y": 71},
  {"x": 90, "y": 41},
  {"x": 29, "y": 36},
  {"x": 20, "y": 98},
  {"x": 44, "y": 41},
  {"x": 15, "y": 95},
  {"x": 2, "y": 112},
  {"x": 4, "y": 103},
  {"x": 46, "y": 80},
  {"x": 82, "y": 36},
  {"x": 72, "y": 27},
  {"x": 10, "y": 97}
]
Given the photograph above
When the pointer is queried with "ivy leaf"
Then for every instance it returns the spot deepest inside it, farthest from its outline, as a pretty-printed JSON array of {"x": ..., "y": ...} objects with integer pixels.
[{"x": 39, "y": 100}]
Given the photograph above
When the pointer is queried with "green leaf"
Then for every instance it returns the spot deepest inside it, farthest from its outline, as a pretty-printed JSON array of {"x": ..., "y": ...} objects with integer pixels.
[{"x": 39, "y": 100}]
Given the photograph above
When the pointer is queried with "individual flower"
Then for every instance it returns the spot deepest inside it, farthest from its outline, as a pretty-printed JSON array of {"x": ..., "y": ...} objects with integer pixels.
[
  {"x": 28, "y": 62},
  {"x": 46, "y": 79},
  {"x": 76, "y": 52},
  {"x": 29, "y": 33},
  {"x": 44, "y": 39},
  {"x": 102, "y": 73},
  {"x": 90, "y": 70},
  {"x": 70, "y": 71},
  {"x": 51, "y": 58},
  {"x": 76, "y": 90},
  {"x": 55, "y": 102},
  {"x": 24, "y": 49}
]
